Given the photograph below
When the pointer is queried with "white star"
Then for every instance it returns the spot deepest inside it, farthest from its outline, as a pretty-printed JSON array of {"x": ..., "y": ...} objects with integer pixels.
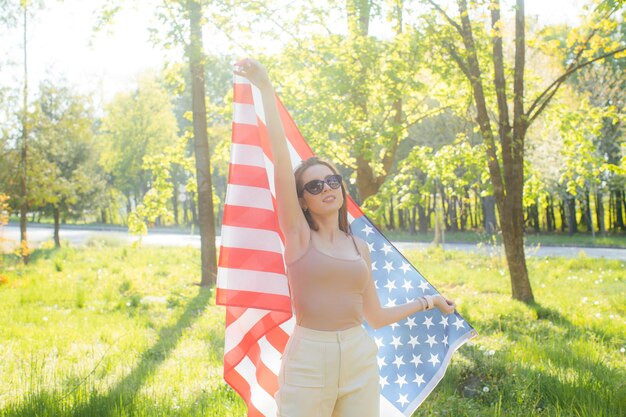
[
  {"x": 407, "y": 285},
  {"x": 409, "y": 300},
  {"x": 381, "y": 362},
  {"x": 444, "y": 321},
  {"x": 376, "y": 284},
  {"x": 383, "y": 381},
  {"x": 379, "y": 342},
  {"x": 388, "y": 266},
  {"x": 416, "y": 360},
  {"x": 428, "y": 321},
  {"x": 391, "y": 302},
  {"x": 401, "y": 380},
  {"x": 391, "y": 285},
  {"x": 402, "y": 399},
  {"x": 434, "y": 359},
  {"x": 413, "y": 341},
  {"x": 386, "y": 248},
  {"x": 419, "y": 379},
  {"x": 393, "y": 325},
  {"x": 371, "y": 247},
  {"x": 431, "y": 340},
  {"x": 398, "y": 361},
  {"x": 396, "y": 342},
  {"x": 458, "y": 323},
  {"x": 374, "y": 266},
  {"x": 410, "y": 322},
  {"x": 367, "y": 229},
  {"x": 423, "y": 286},
  {"x": 405, "y": 267},
  {"x": 445, "y": 340}
]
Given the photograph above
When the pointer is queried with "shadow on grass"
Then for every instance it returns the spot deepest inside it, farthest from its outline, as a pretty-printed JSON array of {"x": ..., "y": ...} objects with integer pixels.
[
  {"x": 119, "y": 400},
  {"x": 553, "y": 368}
]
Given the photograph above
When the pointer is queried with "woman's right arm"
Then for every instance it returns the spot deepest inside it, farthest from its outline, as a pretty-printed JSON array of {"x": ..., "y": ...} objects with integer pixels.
[{"x": 290, "y": 216}]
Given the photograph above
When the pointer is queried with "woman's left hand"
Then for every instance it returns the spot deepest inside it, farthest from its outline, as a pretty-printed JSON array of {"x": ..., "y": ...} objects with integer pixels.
[
  {"x": 254, "y": 71},
  {"x": 445, "y": 305}
]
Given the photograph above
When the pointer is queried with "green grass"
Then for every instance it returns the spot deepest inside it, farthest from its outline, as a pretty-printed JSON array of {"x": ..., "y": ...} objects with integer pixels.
[{"x": 111, "y": 330}]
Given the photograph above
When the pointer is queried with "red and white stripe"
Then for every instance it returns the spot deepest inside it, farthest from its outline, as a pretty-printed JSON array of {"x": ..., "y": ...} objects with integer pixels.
[{"x": 251, "y": 280}]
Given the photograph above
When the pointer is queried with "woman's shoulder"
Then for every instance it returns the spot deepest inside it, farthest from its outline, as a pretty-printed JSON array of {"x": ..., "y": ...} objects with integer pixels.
[{"x": 362, "y": 244}]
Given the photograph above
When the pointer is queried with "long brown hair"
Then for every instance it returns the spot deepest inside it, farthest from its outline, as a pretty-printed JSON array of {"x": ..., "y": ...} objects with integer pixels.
[{"x": 343, "y": 210}]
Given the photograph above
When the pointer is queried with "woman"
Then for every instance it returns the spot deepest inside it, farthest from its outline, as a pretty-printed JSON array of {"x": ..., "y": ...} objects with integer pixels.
[{"x": 329, "y": 365}]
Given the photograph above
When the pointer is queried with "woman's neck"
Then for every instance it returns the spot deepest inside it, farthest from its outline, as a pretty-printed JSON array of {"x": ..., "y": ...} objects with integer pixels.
[{"x": 328, "y": 228}]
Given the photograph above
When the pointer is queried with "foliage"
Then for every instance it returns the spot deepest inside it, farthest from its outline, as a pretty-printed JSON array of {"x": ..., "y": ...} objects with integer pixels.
[
  {"x": 136, "y": 125},
  {"x": 62, "y": 124},
  {"x": 155, "y": 201}
]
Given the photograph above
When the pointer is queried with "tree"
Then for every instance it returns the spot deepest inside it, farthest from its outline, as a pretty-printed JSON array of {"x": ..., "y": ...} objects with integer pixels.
[
  {"x": 62, "y": 129},
  {"x": 135, "y": 125},
  {"x": 354, "y": 96},
  {"x": 506, "y": 157},
  {"x": 185, "y": 19}
]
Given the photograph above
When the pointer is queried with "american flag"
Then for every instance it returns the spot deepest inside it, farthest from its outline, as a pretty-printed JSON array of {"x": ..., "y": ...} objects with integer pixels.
[{"x": 413, "y": 353}]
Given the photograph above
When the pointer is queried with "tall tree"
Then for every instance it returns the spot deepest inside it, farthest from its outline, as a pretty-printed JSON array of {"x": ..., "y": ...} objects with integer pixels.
[
  {"x": 506, "y": 157},
  {"x": 355, "y": 95},
  {"x": 62, "y": 129},
  {"x": 185, "y": 20},
  {"x": 136, "y": 124},
  {"x": 23, "y": 167},
  {"x": 195, "y": 55}
]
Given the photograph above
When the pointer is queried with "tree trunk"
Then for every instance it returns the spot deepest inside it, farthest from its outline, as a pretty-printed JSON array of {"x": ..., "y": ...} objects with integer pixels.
[
  {"x": 619, "y": 218},
  {"x": 57, "y": 227},
  {"x": 453, "y": 213},
  {"x": 572, "y": 224},
  {"x": 186, "y": 212},
  {"x": 24, "y": 251},
  {"x": 192, "y": 208},
  {"x": 175, "y": 205},
  {"x": 489, "y": 218},
  {"x": 444, "y": 211},
  {"x": 550, "y": 215},
  {"x": 439, "y": 238},
  {"x": 600, "y": 213},
  {"x": 392, "y": 221},
  {"x": 401, "y": 222},
  {"x": 534, "y": 211},
  {"x": 413, "y": 220},
  {"x": 423, "y": 219},
  {"x": 563, "y": 214},
  {"x": 201, "y": 148}
]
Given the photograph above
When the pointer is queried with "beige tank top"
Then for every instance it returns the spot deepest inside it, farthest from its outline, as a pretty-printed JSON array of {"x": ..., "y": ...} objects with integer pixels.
[{"x": 326, "y": 291}]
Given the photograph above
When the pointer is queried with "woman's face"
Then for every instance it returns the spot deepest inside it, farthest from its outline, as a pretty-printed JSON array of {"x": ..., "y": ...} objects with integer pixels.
[{"x": 328, "y": 200}]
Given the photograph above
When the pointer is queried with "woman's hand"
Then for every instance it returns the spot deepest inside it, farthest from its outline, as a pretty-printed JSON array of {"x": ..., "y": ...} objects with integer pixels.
[
  {"x": 443, "y": 304},
  {"x": 254, "y": 71}
]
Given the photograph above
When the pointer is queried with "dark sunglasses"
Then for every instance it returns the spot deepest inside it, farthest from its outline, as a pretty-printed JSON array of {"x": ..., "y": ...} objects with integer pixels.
[{"x": 317, "y": 186}]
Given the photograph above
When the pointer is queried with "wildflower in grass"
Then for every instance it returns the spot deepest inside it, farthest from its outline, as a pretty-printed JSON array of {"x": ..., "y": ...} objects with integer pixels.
[{"x": 485, "y": 389}]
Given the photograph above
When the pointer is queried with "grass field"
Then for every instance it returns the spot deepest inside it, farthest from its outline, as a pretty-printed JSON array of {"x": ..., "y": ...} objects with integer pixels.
[{"x": 111, "y": 330}]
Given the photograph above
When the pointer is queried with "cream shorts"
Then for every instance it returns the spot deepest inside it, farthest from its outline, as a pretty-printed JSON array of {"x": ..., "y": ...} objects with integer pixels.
[{"x": 328, "y": 374}]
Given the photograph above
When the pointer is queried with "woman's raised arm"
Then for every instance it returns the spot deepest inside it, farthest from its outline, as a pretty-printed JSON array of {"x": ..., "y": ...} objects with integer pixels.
[{"x": 290, "y": 216}]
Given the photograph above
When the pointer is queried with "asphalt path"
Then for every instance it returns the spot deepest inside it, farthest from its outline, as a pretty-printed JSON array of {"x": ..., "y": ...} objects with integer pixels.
[{"x": 77, "y": 236}]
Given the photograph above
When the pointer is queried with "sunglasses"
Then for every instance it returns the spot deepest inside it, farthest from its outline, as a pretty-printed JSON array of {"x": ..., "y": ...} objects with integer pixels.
[{"x": 317, "y": 186}]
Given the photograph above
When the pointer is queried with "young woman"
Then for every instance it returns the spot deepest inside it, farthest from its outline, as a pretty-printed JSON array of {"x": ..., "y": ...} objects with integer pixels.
[{"x": 329, "y": 366}]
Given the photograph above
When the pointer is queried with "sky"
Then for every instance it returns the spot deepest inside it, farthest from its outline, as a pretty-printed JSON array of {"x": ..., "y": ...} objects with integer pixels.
[{"x": 62, "y": 44}]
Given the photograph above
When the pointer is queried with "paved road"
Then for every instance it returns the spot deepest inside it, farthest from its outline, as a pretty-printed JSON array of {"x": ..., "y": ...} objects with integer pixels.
[{"x": 78, "y": 237}]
